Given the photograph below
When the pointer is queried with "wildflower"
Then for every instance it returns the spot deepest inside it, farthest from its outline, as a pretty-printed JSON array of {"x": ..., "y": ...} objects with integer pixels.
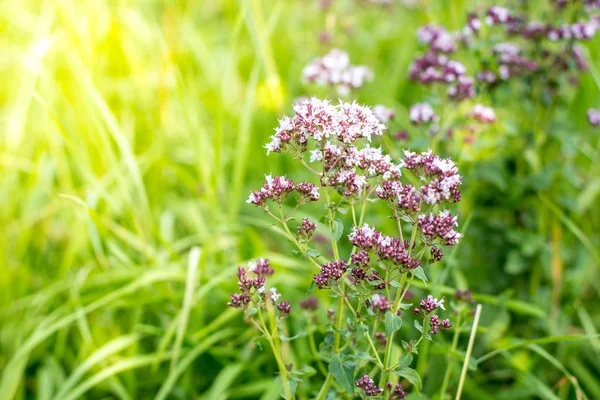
[
  {"x": 464, "y": 88},
  {"x": 435, "y": 324},
  {"x": 497, "y": 15},
  {"x": 430, "y": 304},
  {"x": 334, "y": 69},
  {"x": 238, "y": 300},
  {"x": 330, "y": 272},
  {"x": 276, "y": 189},
  {"x": 360, "y": 258},
  {"x": 408, "y": 199},
  {"x": 261, "y": 267},
  {"x": 363, "y": 237},
  {"x": 274, "y": 295},
  {"x": 422, "y": 113},
  {"x": 310, "y": 304},
  {"x": 358, "y": 274},
  {"x": 464, "y": 295},
  {"x": 308, "y": 191},
  {"x": 483, "y": 114},
  {"x": 439, "y": 227},
  {"x": 380, "y": 303},
  {"x": 401, "y": 135},
  {"x": 398, "y": 392},
  {"x": 306, "y": 229},
  {"x": 437, "y": 38},
  {"x": 436, "y": 254},
  {"x": 383, "y": 113},
  {"x": 284, "y": 308},
  {"x": 367, "y": 384},
  {"x": 442, "y": 173},
  {"x": 593, "y": 117}
]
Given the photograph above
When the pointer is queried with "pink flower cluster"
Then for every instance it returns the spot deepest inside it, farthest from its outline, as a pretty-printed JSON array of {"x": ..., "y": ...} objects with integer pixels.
[
  {"x": 387, "y": 248},
  {"x": 330, "y": 272},
  {"x": 435, "y": 324},
  {"x": 251, "y": 286},
  {"x": 483, "y": 114},
  {"x": 383, "y": 113},
  {"x": 380, "y": 303},
  {"x": 441, "y": 174},
  {"x": 279, "y": 188},
  {"x": 422, "y": 113},
  {"x": 404, "y": 197},
  {"x": 334, "y": 69},
  {"x": 334, "y": 130},
  {"x": 323, "y": 121},
  {"x": 367, "y": 384},
  {"x": 440, "y": 227},
  {"x": 508, "y": 60},
  {"x": 306, "y": 229},
  {"x": 428, "y": 305}
]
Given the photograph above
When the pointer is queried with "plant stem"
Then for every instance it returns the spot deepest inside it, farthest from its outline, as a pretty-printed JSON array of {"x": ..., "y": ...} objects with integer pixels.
[
  {"x": 273, "y": 339},
  {"x": 449, "y": 366},
  {"x": 463, "y": 374},
  {"x": 379, "y": 363}
]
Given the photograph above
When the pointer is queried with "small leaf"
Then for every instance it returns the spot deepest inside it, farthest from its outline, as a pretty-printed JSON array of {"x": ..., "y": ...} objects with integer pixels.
[
  {"x": 418, "y": 326},
  {"x": 342, "y": 210},
  {"x": 342, "y": 372},
  {"x": 405, "y": 360},
  {"x": 364, "y": 356},
  {"x": 306, "y": 370},
  {"x": 338, "y": 229},
  {"x": 296, "y": 336},
  {"x": 392, "y": 323},
  {"x": 312, "y": 253},
  {"x": 412, "y": 376},
  {"x": 252, "y": 311},
  {"x": 395, "y": 284},
  {"x": 419, "y": 273}
]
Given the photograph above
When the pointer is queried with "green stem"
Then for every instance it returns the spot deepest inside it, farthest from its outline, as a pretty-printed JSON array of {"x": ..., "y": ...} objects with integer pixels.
[
  {"x": 273, "y": 339},
  {"x": 449, "y": 366}
]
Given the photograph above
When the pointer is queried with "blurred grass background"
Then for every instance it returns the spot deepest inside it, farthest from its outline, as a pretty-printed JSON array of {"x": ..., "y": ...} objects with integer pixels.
[{"x": 132, "y": 131}]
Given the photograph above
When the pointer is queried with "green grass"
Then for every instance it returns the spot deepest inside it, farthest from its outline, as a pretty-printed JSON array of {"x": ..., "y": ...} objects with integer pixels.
[{"x": 131, "y": 133}]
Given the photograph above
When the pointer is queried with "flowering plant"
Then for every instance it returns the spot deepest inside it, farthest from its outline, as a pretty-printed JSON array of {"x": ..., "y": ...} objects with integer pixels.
[{"x": 371, "y": 281}]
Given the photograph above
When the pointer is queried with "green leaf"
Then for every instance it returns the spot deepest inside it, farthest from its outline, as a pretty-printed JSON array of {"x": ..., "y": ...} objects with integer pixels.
[
  {"x": 312, "y": 253},
  {"x": 252, "y": 311},
  {"x": 405, "y": 360},
  {"x": 364, "y": 356},
  {"x": 343, "y": 372},
  {"x": 418, "y": 326},
  {"x": 296, "y": 336},
  {"x": 392, "y": 323},
  {"x": 342, "y": 210},
  {"x": 419, "y": 273},
  {"x": 395, "y": 284},
  {"x": 338, "y": 229},
  {"x": 306, "y": 370},
  {"x": 412, "y": 376}
]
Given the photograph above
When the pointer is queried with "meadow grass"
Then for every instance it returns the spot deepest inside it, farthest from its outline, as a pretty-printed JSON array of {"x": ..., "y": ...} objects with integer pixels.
[{"x": 131, "y": 134}]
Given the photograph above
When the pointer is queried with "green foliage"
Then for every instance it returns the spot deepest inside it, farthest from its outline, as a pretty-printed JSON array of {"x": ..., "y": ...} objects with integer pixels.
[{"x": 132, "y": 133}]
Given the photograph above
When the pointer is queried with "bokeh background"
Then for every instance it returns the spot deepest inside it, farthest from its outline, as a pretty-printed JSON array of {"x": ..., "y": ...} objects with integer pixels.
[{"x": 133, "y": 131}]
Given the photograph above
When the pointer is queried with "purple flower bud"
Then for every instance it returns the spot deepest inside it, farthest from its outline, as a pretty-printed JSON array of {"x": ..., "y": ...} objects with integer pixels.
[{"x": 367, "y": 384}]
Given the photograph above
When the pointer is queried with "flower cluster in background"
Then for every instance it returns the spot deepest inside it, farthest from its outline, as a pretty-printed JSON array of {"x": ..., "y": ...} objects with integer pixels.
[{"x": 334, "y": 69}]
